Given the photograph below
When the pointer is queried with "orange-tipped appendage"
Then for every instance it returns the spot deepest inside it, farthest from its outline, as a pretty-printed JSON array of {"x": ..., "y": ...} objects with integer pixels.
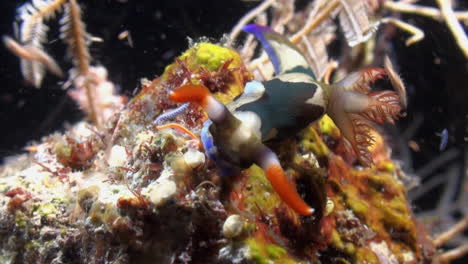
[
  {"x": 190, "y": 93},
  {"x": 181, "y": 129},
  {"x": 287, "y": 191}
]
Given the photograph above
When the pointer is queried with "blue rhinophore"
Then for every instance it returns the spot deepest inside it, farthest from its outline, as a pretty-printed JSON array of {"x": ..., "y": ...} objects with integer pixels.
[
  {"x": 259, "y": 32},
  {"x": 284, "y": 55}
]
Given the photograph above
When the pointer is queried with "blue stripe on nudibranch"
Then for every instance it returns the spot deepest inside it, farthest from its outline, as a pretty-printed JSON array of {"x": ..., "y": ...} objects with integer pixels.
[
  {"x": 211, "y": 151},
  {"x": 259, "y": 32}
]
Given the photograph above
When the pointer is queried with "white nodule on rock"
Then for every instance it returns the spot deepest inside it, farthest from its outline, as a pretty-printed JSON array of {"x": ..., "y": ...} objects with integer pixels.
[
  {"x": 81, "y": 130},
  {"x": 383, "y": 253},
  {"x": 311, "y": 159},
  {"x": 194, "y": 158},
  {"x": 118, "y": 156},
  {"x": 233, "y": 226},
  {"x": 159, "y": 191}
]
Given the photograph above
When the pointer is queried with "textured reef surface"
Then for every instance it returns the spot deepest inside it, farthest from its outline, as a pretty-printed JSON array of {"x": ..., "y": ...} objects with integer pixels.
[{"x": 135, "y": 192}]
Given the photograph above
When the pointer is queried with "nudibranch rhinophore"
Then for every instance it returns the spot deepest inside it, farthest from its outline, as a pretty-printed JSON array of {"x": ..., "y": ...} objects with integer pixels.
[{"x": 236, "y": 133}]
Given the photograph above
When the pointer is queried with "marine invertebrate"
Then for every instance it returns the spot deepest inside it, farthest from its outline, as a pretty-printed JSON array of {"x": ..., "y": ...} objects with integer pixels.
[
  {"x": 155, "y": 199},
  {"x": 170, "y": 114},
  {"x": 93, "y": 92},
  {"x": 297, "y": 99},
  {"x": 33, "y": 59}
]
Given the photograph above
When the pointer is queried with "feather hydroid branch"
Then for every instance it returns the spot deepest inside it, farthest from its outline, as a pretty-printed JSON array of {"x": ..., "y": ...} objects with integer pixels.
[{"x": 92, "y": 92}]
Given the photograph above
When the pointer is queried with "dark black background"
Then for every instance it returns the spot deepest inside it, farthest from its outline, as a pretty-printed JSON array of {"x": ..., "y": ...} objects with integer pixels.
[
  {"x": 159, "y": 30},
  {"x": 435, "y": 71}
]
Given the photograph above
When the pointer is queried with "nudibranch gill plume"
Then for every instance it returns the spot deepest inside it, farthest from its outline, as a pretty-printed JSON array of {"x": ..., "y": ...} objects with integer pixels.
[{"x": 236, "y": 134}]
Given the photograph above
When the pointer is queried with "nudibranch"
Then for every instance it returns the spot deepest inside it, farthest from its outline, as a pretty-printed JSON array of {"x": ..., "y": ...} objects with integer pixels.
[{"x": 237, "y": 133}]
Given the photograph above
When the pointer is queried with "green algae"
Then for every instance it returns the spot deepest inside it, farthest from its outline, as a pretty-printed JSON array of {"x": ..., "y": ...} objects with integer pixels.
[
  {"x": 326, "y": 126},
  {"x": 62, "y": 150},
  {"x": 48, "y": 209},
  {"x": 261, "y": 252},
  {"x": 103, "y": 214},
  {"x": 312, "y": 141},
  {"x": 365, "y": 255},
  {"x": 208, "y": 55},
  {"x": 87, "y": 196},
  {"x": 259, "y": 192}
]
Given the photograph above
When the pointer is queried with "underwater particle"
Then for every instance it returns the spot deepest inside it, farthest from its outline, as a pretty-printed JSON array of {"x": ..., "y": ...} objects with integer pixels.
[
  {"x": 233, "y": 226},
  {"x": 414, "y": 146},
  {"x": 329, "y": 207},
  {"x": 194, "y": 158},
  {"x": 443, "y": 140},
  {"x": 118, "y": 156}
]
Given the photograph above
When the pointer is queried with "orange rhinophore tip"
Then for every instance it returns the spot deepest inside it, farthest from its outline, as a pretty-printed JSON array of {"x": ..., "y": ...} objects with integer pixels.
[
  {"x": 286, "y": 190},
  {"x": 190, "y": 93}
]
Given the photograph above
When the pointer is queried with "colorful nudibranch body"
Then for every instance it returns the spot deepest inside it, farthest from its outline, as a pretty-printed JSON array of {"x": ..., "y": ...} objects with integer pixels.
[{"x": 236, "y": 134}]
